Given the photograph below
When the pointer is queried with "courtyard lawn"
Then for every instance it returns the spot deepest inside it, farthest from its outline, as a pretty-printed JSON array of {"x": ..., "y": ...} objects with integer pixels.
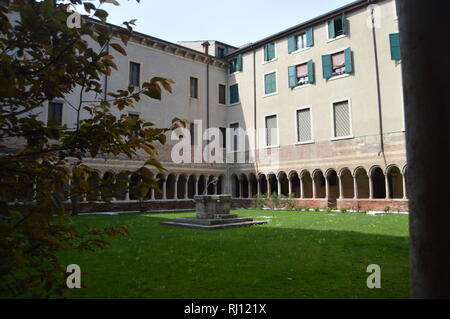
[{"x": 296, "y": 255}]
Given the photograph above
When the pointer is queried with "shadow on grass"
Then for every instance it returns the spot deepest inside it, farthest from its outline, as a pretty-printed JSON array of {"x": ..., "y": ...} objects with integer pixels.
[{"x": 256, "y": 262}]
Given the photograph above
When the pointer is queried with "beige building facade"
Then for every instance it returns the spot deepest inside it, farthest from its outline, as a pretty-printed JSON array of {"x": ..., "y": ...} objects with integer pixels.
[{"x": 329, "y": 90}]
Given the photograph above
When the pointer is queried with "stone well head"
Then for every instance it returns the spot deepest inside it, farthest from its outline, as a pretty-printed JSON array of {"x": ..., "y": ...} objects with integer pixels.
[{"x": 208, "y": 206}]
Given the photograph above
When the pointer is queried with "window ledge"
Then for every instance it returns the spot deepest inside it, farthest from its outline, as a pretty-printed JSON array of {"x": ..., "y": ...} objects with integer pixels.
[
  {"x": 267, "y": 62},
  {"x": 271, "y": 147},
  {"x": 305, "y": 143},
  {"x": 337, "y": 38},
  {"x": 302, "y": 86},
  {"x": 270, "y": 94},
  {"x": 337, "y": 77},
  {"x": 235, "y": 73},
  {"x": 234, "y": 104},
  {"x": 342, "y": 138},
  {"x": 301, "y": 50}
]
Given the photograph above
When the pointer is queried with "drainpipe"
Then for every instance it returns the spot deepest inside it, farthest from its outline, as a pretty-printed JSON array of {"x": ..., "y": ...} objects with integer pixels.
[{"x": 377, "y": 74}]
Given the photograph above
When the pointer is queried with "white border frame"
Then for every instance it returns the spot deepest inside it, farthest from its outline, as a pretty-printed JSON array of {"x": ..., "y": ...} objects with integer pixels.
[
  {"x": 276, "y": 53},
  {"x": 351, "y": 136},
  {"x": 307, "y": 84},
  {"x": 264, "y": 84},
  {"x": 339, "y": 36},
  {"x": 340, "y": 76},
  {"x": 297, "y": 142},
  {"x": 229, "y": 95},
  {"x": 141, "y": 70},
  {"x": 60, "y": 101},
  {"x": 198, "y": 88},
  {"x": 265, "y": 131},
  {"x": 218, "y": 93}
]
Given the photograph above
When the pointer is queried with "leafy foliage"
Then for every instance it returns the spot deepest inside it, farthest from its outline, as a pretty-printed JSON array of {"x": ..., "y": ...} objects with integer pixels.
[{"x": 42, "y": 59}]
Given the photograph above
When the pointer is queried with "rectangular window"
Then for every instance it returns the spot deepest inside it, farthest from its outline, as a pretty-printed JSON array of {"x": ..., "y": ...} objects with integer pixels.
[
  {"x": 270, "y": 83},
  {"x": 55, "y": 112},
  {"x": 135, "y": 129},
  {"x": 300, "y": 41},
  {"x": 337, "y": 27},
  {"x": 234, "y": 94},
  {"x": 338, "y": 63},
  {"x": 235, "y": 140},
  {"x": 194, "y": 87},
  {"x": 222, "y": 94},
  {"x": 269, "y": 51},
  {"x": 304, "y": 129},
  {"x": 236, "y": 64},
  {"x": 271, "y": 130},
  {"x": 223, "y": 136},
  {"x": 221, "y": 52},
  {"x": 302, "y": 74},
  {"x": 135, "y": 74},
  {"x": 341, "y": 117}
]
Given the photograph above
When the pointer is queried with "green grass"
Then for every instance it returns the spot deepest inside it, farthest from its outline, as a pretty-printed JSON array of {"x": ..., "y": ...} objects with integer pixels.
[{"x": 296, "y": 255}]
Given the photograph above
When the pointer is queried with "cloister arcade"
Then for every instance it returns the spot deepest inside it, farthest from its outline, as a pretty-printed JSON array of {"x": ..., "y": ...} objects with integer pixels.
[{"x": 374, "y": 183}]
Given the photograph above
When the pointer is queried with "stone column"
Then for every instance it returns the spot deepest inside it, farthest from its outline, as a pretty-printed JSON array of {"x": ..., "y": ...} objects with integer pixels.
[
  {"x": 186, "y": 188},
  {"x": 355, "y": 187},
  {"x": 425, "y": 85},
  {"x": 370, "y": 187},
  {"x": 241, "y": 191},
  {"x": 290, "y": 186},
  {"x": 249, "y": 189},
  {"x": 152, "y": 194},
  {"x": 388, "y": 191},
  {"x": 405, "y": 197},
  {"x": 314, "y": 188},
  {"x": 302, "y": 189},
  {"x": 175, "y": 188},
  {"x": 269, "y": 189},
  {"x": 196, "y": 185},
  {"x": 279, "y": 186},
  {"x": 341, "y": 188},
  {"x": 258, "y": 186},
  {"x": 164, "y": 191},
  {"x": 327, "y": 188},
  {"x": 127, "y": 192}
]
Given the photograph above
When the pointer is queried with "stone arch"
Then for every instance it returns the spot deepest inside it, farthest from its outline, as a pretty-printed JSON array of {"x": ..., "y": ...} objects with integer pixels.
[
  {"x": 273, "y": 184},
  {"x": 378, "y": 182},
  {"x": 94, "y": 182},
  {"x": 294, "y": 180},
  {"x": 284, "y": 183},
  {"x": 170, "y": 186},
  {"x": 192, "y": 185},
  {"x": 181, "y": 186},
  {"x": 348, "y": 188},
  {"x": 333, "y": 186},
  {"x": 395, "y": 182},
  {"x": 263, "y": 184},
  {"x": 362, "y": 183},
  {"x": 319, "y": 183},
  {"x": 235, "y": 186},
  {"x": 161, "y": 179},
  {"x": 244, "y": 184},
  {"x": 253, "y": 185},
  {"x": 307, "y": 184}
]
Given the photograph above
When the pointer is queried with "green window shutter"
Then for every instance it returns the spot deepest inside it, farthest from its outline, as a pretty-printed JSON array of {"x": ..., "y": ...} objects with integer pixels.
[
  {"x": 344, "y": 23},
  {"x": 232, "y": 66},
  {"x": 291, "y": 44},
  {"x": 348, "y": 61},
  {"x": 239, "y": 63},
  {"x": 266, "y": 52},
  {"x": 292, "y": 72},
  {"x": 310, "y": 37},
  {"x": 326, "y": 66},
  {"x": 270, "y": 84},
  {"x": 395, "y": 46},
  {"x": 311, "y": 75},
  {"x": 234, "y": 94},
  {"x": 331, "y": 32},
  {"x": 271, "y": 51}
]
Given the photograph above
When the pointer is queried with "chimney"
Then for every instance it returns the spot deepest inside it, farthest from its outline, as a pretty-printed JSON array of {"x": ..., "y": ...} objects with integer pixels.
[{"x": 206, "y": 47}]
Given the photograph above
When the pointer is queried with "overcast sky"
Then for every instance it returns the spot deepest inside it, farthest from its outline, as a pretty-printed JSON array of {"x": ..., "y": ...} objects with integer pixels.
[{"x": 235, "y": 22}]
